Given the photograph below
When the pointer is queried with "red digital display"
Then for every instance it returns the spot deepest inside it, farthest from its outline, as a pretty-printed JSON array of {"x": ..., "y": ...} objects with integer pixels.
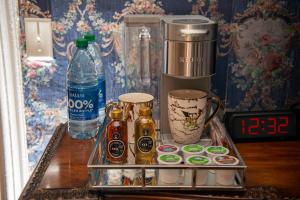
[
  {"x": 266, "y": 125},
  {"x": 247, "y": 126}
]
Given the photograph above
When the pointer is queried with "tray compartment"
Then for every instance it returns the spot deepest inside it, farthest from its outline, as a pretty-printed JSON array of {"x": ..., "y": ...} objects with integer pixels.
[{"x": 103, "y": 176}]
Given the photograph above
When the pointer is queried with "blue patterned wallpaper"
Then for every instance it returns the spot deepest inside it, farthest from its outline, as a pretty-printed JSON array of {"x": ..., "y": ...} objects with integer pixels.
[{"x": 257, "y": 64}]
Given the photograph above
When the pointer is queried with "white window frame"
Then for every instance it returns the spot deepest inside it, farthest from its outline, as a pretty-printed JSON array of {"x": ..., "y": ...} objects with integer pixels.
[{"x": 13, "y": 145}]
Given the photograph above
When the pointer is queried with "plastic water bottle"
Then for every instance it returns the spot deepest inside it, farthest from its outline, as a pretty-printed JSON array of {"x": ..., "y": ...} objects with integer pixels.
[
  {"x": 82, "y": 86},
  {"x": 94, "y": 50}
]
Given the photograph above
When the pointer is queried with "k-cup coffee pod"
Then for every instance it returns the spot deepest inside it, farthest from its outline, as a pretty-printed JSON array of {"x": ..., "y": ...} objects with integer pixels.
[
  {"x": 167, "y": 149},
  {"x": 129, "y": 176},
  {"x": 201, "y": 174},
  {"x": 225, "y": 177},
  {"x": 212, "y": 151},
  {"x": 150, "y": 177},
  {"x": 198, "y": 160},
  {"x": 114, "y": 176},
  {"x": 192, "y": 149},
  {"x": 169, "y": 176}
]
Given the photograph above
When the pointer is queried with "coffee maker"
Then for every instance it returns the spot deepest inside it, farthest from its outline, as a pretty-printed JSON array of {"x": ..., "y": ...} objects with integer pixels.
[{"x": 189, "y": 57}]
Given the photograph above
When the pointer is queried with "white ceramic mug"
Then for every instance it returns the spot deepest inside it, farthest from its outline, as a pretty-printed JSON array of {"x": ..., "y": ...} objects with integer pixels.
[
  {"x": 130, "y": 104},
  {"x": 187, "y": 114}
]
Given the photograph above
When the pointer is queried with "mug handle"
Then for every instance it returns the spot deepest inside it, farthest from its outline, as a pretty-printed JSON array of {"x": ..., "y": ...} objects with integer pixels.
[
  {"x": 217, "y": 101},
  {"x": 109, "y": 107}
]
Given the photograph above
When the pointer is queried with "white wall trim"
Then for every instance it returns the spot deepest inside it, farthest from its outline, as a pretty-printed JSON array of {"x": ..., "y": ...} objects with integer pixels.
[
  {"x": 2, "y": 176},
  {"x": 12, "y": 102}
]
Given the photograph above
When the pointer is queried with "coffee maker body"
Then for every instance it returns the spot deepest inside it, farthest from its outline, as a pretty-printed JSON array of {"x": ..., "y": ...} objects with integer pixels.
[{"x": 189, "y": 57}]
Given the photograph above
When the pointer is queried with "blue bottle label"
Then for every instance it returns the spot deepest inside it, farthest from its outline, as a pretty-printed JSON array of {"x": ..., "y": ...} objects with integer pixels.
[
  {"x": 83, "y": 103},
  {"x": 102, "y": 95}
]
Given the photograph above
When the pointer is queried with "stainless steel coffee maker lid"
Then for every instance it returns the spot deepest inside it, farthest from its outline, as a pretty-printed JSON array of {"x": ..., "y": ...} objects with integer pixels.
[
  {"x": 189, "y": 45},
  {"x": 188, "y": 28}
]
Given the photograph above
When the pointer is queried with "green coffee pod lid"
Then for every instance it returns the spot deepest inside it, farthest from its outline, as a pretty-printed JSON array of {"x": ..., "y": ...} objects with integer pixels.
[
  {"x": 198, "y": 160},
  {"x": 217, "y": 150},
  {"x": 169, "y": 159},
  {"x": 192, "y": 148},
  {"x": 81, "y": 43},
  {"x": 226, "y": 160}
]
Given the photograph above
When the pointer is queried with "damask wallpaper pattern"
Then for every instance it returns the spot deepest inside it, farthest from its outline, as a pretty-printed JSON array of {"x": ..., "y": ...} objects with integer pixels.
[{"x": 257, "y": 64}]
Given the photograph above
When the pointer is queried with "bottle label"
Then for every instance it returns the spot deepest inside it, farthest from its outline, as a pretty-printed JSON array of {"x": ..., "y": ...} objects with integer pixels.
[
  {"x": 101, "y": 94},
  {"x": 145, "y": 144},
  {"x": 83, "y": 103},
  {"x": 116, "y": 135},
  {"x": 116, "y": 148}
]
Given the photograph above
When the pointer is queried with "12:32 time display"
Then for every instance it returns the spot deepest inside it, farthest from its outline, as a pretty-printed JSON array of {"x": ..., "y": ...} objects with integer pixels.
[
  {"x": 257, "y": 126},
  {"x": 265, "y": 125}
]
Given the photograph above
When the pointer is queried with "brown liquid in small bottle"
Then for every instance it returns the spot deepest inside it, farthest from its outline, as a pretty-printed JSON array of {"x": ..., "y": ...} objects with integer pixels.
[{"x": 117, "y": 139}]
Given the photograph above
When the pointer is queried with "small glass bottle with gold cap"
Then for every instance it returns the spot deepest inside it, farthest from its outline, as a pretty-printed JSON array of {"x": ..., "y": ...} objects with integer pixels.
[
  {"x": 145, "y": 144},
  {"x": 117, "y": 139},
  {"x": 145, "y": 137}
]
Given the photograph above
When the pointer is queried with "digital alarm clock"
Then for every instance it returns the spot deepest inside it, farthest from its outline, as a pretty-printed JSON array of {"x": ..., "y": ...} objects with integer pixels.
[{"x": 263, "y": 126}]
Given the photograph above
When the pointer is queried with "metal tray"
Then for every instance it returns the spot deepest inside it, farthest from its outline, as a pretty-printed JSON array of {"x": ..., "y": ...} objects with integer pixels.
[{"x": 98, "y": 168}]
